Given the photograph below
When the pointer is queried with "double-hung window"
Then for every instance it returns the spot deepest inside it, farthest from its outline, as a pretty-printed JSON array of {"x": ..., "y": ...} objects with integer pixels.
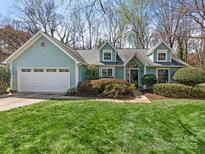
[
  {"x": 162, "y": 56},
  {"x": 107, "y": 72},
  {"x": 107, "y": 55},
  {"x": 163, "y": 75}
]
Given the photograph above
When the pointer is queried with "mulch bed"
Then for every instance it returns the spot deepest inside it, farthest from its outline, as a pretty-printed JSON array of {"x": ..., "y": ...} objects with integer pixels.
[{"x": 152, "y": 96}]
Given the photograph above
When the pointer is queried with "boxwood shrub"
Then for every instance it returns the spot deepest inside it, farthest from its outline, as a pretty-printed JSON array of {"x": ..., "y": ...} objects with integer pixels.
[
  {"x": 178, "y": 90},
  {"x": 149, "y": 80},
  {"x": 106, "y": 87},
  {"x": 189, "y": 76}
]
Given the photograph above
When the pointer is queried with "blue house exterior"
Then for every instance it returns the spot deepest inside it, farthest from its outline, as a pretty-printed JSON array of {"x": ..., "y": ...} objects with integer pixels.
[{"x": 44, "y": 64}]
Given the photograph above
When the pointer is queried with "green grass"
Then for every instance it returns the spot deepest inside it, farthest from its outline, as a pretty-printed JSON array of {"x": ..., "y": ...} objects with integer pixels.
[{"x": 165, "y": 126}]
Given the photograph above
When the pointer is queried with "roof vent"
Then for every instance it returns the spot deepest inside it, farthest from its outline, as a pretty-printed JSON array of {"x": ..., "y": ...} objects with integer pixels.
[{"x": 42, "y": 44}]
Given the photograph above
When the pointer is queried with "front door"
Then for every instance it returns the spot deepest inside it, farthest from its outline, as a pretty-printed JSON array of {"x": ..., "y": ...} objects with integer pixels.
[{"x": 134, "y": 76}]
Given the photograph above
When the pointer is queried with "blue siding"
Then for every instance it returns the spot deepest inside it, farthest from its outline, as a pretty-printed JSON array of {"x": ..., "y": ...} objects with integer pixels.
[
  {"x": 151, "y": 70},
  {"x": 172, "y": 71},
  {"x": 49, "y": 56},
  {"x": 162, "y": 47},
  {"x": 82, "y": 73},
  {"x": 119, "y": 73},
  {"x": 107, "y": 46}
]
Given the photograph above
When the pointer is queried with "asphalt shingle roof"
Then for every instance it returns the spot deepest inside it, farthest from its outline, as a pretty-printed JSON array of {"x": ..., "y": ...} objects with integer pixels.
[{"x": 124, "y": 56}]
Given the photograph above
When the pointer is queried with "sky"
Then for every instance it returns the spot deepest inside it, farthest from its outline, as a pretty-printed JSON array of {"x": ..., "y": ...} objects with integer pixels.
[{"x": 7, "y": 8}]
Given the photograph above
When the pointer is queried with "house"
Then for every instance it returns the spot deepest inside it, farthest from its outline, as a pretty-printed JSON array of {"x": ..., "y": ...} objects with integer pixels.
[{"x": 44, "y": 64}]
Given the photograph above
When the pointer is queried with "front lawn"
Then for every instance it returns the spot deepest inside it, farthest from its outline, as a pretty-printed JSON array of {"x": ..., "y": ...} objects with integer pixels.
[{"x": 165, "y": 126}]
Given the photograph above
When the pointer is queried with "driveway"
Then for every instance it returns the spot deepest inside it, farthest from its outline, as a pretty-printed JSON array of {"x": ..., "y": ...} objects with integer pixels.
[{"x": 17, "y": 100}]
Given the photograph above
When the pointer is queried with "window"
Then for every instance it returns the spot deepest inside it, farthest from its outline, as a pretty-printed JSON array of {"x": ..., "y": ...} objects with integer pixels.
[
  {"x": 38, "y": 70},
  {"x": 163, "y": 75},
  {"x": 63, "y": 70},
  {"x": 50, "y": 70},
  {"x": 107, "y": 55},
  {"x": 25, "y": 70},
  {"x": 106, "y": 72},
  {"x": 162, "y": 56}
]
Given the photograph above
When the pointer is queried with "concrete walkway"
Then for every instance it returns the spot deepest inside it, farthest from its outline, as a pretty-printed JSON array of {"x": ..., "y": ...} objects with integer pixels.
[{"x": 8, "y": 102}]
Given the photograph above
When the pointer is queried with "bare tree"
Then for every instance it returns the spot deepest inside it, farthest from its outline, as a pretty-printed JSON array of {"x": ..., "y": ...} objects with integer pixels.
[
  {"x": 40, "y": 15},
  {"x": 13, "y": 35},
  {"x": 112, "y": 22},
  {"x": 167, "y": 20},
  {"x": 196, "y": 10},
  {"x": 135, "y": 19}
]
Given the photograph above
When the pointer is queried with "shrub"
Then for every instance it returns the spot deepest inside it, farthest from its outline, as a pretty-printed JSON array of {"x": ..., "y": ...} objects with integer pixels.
[
  {"x": 117, "y": 90},
  {"x": 189, "y": 76},
  {"x": 71, "y": 92},
  {"x": 91, "y": 72},
  {"x": 149, "y": 80},
  {"x": 178, "y": 90},
  {"x": 4, "y": 79},
  {"x": 106, "y": 87}
]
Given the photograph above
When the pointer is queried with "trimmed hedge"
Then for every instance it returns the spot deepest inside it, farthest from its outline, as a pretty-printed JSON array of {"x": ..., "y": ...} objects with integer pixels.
[
  {"x": 4, "y": 79},
  {"x": 106, "y": 87},
  {"x": 178, "y": 90},
  {"x": 189, "y": 76}
]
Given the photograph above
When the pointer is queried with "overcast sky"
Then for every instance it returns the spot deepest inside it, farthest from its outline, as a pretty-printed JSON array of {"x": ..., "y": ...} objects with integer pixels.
[{"x": 7, "y": 8}]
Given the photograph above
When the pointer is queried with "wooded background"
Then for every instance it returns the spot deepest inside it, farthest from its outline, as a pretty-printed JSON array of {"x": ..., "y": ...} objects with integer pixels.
[{"x": 86, "y": 24}]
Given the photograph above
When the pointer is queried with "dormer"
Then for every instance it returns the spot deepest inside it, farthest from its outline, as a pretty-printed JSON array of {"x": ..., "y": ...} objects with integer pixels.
[
  {"x": 160, "y": 53},
  {"x": 107, "y": 53}
]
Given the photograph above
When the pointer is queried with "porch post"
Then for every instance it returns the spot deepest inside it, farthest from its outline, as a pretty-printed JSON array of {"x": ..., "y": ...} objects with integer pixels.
[
  {"x": 145, "y": 72},
  {"x": 125, "y": 77}
]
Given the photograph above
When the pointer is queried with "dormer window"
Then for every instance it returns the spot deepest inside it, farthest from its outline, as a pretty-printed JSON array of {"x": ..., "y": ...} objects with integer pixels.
[
  {"x": 107, "y": 55},
  {"x": 161, "y": 55}
]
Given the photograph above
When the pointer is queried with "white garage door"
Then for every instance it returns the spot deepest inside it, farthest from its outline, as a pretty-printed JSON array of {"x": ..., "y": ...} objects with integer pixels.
[{"x": 43, "y": 79}]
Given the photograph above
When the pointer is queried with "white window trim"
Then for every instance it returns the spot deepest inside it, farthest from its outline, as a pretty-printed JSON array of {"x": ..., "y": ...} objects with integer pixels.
[
  {"x": 163, "y": 69},
  {"x": 162, "y": 51},
  {"x": 113, "y": 71},
  {"x": 107, "y": 51}
]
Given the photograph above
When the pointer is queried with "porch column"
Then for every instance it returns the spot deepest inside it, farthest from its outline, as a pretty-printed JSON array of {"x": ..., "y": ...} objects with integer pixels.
[
  {"x": 125, "y": 73},
  {"x": 145, "y": 72}
]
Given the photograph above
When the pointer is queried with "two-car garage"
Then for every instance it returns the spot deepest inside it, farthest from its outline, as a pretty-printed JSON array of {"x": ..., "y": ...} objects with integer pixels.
[{"x": 43, "y": 79}]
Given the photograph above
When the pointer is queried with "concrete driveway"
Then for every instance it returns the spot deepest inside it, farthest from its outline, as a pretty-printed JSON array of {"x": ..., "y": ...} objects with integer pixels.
[{"x": 20, "y": 99}]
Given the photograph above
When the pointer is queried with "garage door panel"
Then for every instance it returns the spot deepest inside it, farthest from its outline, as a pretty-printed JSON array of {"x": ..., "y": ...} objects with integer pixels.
[{"x": 44, "y": 81}]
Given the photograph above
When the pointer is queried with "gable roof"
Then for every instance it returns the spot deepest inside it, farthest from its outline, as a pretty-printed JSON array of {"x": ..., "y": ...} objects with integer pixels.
[
  {"x": 64, "y": 48},
  {"x": 151, "y": 50},
  {"x": 107, "y": 42}
]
